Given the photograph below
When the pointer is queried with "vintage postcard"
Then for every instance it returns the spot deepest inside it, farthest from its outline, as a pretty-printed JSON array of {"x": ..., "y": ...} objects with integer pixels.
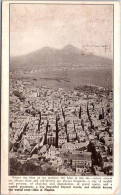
[{"x": 60, "y": 97}]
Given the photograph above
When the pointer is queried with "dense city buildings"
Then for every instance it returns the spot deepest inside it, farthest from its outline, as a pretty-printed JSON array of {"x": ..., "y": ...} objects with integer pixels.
[{"x": 69, "y": 132}]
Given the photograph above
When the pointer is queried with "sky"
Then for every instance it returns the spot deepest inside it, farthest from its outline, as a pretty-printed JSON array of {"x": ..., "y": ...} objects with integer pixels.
[{"x": 88, "y": 27}]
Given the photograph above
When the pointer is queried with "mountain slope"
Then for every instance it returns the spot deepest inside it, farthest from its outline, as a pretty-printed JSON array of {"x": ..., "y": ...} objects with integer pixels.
[{"x": 68, "y": 56}]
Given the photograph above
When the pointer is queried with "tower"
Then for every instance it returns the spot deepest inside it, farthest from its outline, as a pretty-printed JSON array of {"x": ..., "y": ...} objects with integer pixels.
[
  {"x": 82, "y": 124},
  {"x": 39, "y": 121},
  {"x": 80, "y": 113},
  {"x": 45, "y": 141},
  {"x": 87, "y": 110},
  {"x": 63, "y": 114},
  {"x": 56, "y": 132}
]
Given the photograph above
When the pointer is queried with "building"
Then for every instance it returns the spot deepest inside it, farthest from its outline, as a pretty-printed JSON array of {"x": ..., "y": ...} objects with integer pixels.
[
  {"x": 62, "y": 139},
  {"x": 51, "y": 140},
  {"x": 72, "y": 136},
  {"x": 52, "y": 152},
  {"x": 75, "y": 146},
  {"x": 82, "y": 160}
]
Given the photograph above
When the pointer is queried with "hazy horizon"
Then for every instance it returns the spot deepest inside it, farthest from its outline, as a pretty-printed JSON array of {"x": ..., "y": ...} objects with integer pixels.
[
  {"x": 87, "y": 27},
  {"x": 60, "y": 49}
]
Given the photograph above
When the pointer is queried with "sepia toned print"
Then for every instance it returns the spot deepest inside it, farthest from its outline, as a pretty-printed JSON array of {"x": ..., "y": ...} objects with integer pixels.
[{"x": 61, "y": 89}]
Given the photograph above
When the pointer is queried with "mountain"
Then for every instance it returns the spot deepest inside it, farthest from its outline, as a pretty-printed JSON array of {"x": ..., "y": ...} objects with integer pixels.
[
  {"x": 68, "y": 56},
  {"x": 71, "y": 49}
]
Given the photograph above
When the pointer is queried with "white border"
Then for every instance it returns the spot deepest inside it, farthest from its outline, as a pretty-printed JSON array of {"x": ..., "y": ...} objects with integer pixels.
[{"x": 5, "y": 96}]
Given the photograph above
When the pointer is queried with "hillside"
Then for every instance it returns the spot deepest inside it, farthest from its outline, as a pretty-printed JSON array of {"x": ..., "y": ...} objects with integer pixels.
[{"x": 69, "y": 56}]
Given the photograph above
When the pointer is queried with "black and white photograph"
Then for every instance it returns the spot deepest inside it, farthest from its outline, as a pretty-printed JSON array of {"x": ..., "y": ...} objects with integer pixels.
[{"x": 61, "y": 89}]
